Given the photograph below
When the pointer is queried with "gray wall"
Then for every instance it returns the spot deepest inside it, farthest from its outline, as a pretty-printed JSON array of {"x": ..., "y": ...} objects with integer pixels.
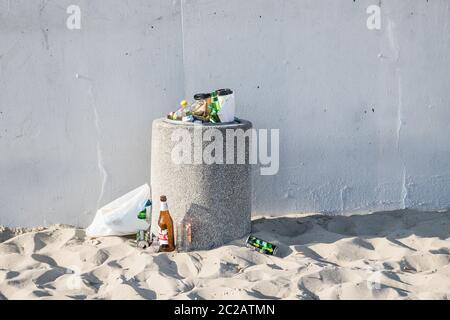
[
  {"x": 77, "y": 106},
  {"x": 363, "y": 114}
]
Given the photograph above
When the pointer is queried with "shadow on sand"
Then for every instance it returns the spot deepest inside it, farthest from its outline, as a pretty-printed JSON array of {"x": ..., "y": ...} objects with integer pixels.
[{"x": 319, "y": 228}]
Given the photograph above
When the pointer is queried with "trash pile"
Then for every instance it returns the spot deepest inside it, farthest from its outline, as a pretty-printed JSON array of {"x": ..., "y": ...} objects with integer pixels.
[
  {"x": 131, "y": 214},
  {"x": 215, "y": 107}
]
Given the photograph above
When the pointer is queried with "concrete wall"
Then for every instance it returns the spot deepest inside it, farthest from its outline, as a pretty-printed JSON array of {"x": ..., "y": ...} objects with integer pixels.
[
  {"x": 363, "y": 114},
  {"x": 77, "y": 105}
]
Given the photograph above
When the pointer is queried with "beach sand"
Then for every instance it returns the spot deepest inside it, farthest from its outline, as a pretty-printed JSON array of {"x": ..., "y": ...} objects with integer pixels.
[{"x": 386, "y": 255}]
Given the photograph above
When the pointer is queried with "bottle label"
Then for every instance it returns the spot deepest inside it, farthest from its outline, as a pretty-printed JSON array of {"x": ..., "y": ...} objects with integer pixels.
[
  {"x": 163, "y": 236},
  {"x": 164, "y": 206}
]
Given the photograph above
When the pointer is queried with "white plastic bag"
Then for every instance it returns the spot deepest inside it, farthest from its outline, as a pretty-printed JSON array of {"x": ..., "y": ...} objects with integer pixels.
[{"x": 120, "y": 217}]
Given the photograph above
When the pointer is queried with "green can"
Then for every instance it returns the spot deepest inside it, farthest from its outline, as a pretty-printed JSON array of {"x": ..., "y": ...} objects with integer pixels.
[{"x": 261, "y": 245}]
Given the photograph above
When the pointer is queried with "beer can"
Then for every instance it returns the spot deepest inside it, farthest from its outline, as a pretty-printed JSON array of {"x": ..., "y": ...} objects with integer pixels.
[
  {"x": 261, "y": 245},
  {"x": 142, "y": 239}
]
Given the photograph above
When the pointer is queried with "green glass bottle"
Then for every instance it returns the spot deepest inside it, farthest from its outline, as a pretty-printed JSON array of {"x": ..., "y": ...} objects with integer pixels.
[
  {"x": 214, "y": 108},
  {"x": 143, "y": 214}
]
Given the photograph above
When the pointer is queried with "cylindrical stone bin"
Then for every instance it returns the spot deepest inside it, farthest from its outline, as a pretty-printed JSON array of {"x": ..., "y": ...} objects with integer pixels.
[{"x": 213, "y": 195}]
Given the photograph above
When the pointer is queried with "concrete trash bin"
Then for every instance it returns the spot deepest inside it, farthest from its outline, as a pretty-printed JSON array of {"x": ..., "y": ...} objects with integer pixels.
[{"x": 215, "y": 198}]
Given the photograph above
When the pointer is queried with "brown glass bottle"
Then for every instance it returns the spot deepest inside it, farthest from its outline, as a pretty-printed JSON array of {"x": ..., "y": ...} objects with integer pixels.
[{"x": 165, "y": 226}]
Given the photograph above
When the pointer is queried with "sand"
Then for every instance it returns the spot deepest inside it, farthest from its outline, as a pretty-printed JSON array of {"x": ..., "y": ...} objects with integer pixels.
[{"x": 386, "y": 255}]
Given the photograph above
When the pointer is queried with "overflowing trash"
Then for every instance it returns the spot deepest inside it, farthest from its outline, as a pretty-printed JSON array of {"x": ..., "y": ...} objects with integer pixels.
[
  {"x": 131, "y": 214},
  {"x": 215, "y": 107}
]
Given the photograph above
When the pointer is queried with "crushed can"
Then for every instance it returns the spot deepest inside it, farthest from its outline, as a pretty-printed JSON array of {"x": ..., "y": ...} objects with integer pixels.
[{"x": 261, "y": 245}]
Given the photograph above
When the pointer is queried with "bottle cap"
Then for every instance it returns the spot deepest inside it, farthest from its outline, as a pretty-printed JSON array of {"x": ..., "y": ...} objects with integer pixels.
[{"x": 163, "y": 198}]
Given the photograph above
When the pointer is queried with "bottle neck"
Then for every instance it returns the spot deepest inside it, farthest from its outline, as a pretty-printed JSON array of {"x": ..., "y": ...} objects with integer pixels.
[{"x": 164, "y": 206}]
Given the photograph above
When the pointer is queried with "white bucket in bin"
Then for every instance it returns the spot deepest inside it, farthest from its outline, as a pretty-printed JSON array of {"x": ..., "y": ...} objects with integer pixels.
[{"x": 227, "y": 105}]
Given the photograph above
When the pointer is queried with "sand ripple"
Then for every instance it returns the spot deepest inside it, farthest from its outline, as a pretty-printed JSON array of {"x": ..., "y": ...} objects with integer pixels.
[{"x": 386, "y": 255}]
